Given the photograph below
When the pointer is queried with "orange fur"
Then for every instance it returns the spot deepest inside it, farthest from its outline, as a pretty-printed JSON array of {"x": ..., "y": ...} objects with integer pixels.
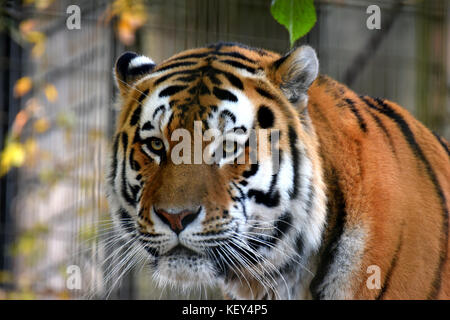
[{"x": 387, "y": 192}]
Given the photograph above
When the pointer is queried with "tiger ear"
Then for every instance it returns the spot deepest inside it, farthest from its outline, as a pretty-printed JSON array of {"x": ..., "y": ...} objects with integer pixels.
[
  {"x": 295, "y": 72},
  {"x": 129, "y": 68}
]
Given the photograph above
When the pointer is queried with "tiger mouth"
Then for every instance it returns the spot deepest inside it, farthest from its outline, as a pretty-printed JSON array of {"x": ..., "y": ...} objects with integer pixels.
[{"x": 182, "y": 251}]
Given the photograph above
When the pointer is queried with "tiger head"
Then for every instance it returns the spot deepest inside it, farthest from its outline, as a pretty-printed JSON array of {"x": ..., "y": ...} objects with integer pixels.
[{"x": 214, "y": 175}]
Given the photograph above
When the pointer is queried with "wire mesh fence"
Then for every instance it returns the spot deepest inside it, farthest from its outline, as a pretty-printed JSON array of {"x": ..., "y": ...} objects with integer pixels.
[{"x": 53, "y": 208}]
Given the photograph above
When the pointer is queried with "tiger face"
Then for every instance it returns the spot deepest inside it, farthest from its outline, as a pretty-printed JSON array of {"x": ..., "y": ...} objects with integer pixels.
[{"x": 214, "y": 175}]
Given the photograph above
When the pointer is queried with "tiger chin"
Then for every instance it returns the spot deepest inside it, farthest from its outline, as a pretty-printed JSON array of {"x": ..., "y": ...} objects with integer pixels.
[{"x": 349, "y": 200}]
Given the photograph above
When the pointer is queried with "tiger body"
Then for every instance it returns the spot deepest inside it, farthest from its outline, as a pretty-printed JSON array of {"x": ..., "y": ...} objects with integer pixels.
[{"x": 360, "y": 184}]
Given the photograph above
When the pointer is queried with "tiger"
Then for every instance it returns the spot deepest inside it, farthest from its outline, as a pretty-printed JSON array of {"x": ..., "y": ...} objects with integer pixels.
[{"x": 349, "y": 200}]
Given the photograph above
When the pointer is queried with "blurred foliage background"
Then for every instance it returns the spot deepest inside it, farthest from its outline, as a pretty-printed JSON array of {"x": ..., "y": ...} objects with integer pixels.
[{"x": 57, "y": 112}]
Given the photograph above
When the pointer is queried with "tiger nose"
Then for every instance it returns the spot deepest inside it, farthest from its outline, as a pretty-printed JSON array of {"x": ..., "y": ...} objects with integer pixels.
[{"x": 179, "y": 220}]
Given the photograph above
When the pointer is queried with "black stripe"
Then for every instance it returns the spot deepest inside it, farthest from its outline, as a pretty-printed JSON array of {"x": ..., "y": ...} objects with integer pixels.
[
  {"x": 187, "y": 79},
  {"x": 265, "y": 93},
  {"x": 114, "y": 162},
  {"x": 157, "y": 110},
  {"x": 281, "y": 227},
  {"x": 136, "y": 116},
  {"x": 235, "y": 81},
  {"x": 234, "y": 55},
  {"x": 381, "y": 126},
  {"x": 220, "y": 45},
  {"x": 141, "y": 69},
  {"x": 229, "y": 114},
  {"x": 270, "y": 198},
  {"x": 336, "y": 206},
  {"x": 133, "y": 163},
  {"x": 309, "y": 197},
  {"x": 239, "y": 65},
  {"x": 175, "y": 73},
  {"x": 299, "y": 245},
  {"x": 224, "y": 94},
  {"x": 212, "y": 75},
  {"x": 417, "y": 150},
  {"x": 169, "y": 91},
  {"x": 148, "y": 126},
  {"x": 253, "y": 169},
  {"x": 176, "y": 65},
  {"x": 137, "y": 136},
  {"x": 239, "y": 130},
  {"x": 292, "y": 264},
  {"x": 241, "y": 199},
  {"x": 389, "y": 272},
  {"x": 265, "y": 117},
  {"x": 295, "y": 161},
  {"x": 143, "y": 95},
  {"x": 124, "y": 143},
  {"x": 203, "y": 88},
  {"x": 152, "y": 251},
  {"x": 192, "y": 55},
  {"x": 125, "y": 220},
  {"x": 442, "y": 142},
  {"x": 169, "y": 122},
  {"x": 134, "y": 192},
  {"x": 280, "y": 61},
  {"x": 125, "y": 194},
  {"x": 243, "y": 183},
  {"x": 361, "y": 121}
]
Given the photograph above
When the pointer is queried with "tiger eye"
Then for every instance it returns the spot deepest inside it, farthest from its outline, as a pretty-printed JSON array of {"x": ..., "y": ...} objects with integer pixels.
[
  {"x": 156, "y": 144},
  {"x": 229, "y": 147}
]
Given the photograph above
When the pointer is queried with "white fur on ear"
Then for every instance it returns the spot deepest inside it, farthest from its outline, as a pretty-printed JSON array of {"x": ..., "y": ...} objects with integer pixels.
[
  {"x": 297, "y": 71},
  {"x": 139, "y": 62},
  {"x": 129, "y": 68}
]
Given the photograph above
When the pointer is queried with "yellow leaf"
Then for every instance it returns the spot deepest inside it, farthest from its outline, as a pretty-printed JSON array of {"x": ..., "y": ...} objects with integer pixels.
[
  {"x": 19, "y": 122},
  {"x": 12, "y": 155},
  {"x": 41, "y": 125},
  {"x": 135, "y": 18},
  {"x": 38, "y": 50},
  {"x": 51, "y": 93},
  {"x": 27, "y": 26},
  {"x": 132, "y": 15},
  {"x": 126, "y": 32},
  {"x": 35, "y": 37},
  {"x": 43, "y": 4},
  {"x": 38, "y": 39},
  {"x": 63, "y": 295},
  {"x": 22, "y": 86}
]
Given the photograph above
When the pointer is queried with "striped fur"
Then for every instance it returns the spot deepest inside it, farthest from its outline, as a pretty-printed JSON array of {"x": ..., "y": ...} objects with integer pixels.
[{"x": 360, "y": 182}]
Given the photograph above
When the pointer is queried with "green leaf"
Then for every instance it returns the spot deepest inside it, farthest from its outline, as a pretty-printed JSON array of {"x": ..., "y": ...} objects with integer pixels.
[{"x": 298, "y": 16}]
